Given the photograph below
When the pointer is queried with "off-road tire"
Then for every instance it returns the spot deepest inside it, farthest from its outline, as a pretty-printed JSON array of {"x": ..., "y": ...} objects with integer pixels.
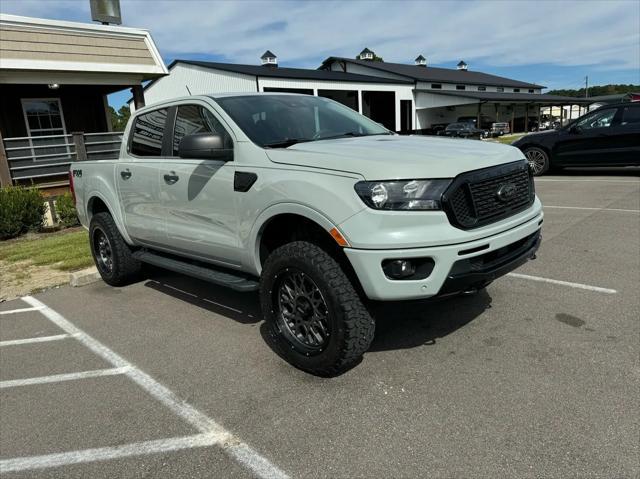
[
  {"x": 352, "y": 327},
  {"x": 125, "y": 268},
  {"x": 538, "y": 156}
]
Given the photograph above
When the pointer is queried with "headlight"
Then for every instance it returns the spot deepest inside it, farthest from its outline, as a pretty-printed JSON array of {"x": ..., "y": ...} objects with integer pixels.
[{"x": 403, "y": 195}]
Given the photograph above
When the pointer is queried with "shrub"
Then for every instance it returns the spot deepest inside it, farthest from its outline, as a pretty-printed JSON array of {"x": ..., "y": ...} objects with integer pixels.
[
  {"x": 21, "y": 210},
  {"x": 66, "y": 210}
]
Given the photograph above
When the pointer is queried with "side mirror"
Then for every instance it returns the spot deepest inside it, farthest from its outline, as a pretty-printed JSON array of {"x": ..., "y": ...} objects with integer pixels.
[
  {"x": 206, "y": 146},
  {"x": 575, "y": 129}
]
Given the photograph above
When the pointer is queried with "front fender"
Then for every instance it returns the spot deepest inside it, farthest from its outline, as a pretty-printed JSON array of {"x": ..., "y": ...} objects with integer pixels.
[{"x": 252, "y": 263}]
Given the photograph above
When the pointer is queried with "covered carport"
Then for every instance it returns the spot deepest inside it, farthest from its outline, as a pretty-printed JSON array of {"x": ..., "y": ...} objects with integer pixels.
[{"x": 521, "y": 110}]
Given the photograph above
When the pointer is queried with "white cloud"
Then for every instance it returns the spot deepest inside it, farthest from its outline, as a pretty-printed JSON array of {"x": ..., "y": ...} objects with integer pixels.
[{"x": 602, "y": 34}]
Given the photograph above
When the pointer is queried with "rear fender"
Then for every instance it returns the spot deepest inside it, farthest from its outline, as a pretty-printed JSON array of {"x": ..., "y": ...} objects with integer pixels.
[{"x": 98, "y": 187}]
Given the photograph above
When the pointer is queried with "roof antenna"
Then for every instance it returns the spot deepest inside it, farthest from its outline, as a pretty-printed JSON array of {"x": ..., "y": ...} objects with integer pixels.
[{"x": 188, "y": 90}]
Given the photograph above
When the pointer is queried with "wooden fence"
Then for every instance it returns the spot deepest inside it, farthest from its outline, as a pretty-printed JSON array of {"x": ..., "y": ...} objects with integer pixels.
[{"x": 45, "y": 160}]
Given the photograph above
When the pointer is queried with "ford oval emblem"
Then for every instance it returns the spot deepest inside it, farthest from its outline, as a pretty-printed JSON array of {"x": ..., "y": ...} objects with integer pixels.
[{"x": 506, "y": 192}]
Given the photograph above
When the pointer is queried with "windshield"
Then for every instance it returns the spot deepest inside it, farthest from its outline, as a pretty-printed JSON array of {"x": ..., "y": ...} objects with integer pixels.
[{"x": 278, "y": 121}]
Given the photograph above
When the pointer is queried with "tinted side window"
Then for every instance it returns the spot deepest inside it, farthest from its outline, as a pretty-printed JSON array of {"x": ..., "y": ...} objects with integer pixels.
[
  {"x": 630, "y": 115},
  {"x": 192, "y": 119},
  {"x": 147, "y": 133},
  {"x": 599, "y": 119}
]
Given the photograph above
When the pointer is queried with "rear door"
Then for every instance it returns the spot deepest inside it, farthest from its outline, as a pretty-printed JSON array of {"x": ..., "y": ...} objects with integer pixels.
[
  {"x": 137, "y": 179},
  {"x": 591, "y": 140},
  {"x": 628, "y": 132},
  {"x": 197, "y": 195}
]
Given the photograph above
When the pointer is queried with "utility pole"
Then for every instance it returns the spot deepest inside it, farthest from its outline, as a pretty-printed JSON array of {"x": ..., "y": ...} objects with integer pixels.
[{"x": 586, "y": 86}]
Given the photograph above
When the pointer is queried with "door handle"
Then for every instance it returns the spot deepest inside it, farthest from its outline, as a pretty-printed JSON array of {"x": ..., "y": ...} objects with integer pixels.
[
  {"x": 172, "y": 178},
  {"x": 126, "y": 174}
]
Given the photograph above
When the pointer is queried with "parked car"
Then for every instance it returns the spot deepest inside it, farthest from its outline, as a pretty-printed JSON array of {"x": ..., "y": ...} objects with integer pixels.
[
  {"x": 500, "y": 128},
  {"x": 463, "y": 130},
  {"x": 485, "y": 121},
  {"x": 608, "y": 136},
  {"x": 317, "y": 208}
]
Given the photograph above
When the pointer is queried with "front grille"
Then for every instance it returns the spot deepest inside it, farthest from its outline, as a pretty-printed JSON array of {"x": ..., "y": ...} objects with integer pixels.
[{"x": 481, "y": 197}]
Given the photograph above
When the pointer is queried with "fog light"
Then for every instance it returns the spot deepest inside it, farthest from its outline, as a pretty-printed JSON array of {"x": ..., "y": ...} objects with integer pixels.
[{"x": 398, "y": 268}]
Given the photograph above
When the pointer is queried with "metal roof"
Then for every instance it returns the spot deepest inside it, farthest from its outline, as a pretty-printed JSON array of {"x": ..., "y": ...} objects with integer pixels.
[
  {"x": 267, "y": 54},
  {"x": 437, "y": 75},
  {"x": 295, "y": 73},
  {"x": 514, "y": 97}
]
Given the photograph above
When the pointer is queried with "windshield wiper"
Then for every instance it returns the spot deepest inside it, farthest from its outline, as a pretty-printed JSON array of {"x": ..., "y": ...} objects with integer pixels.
[
  {"x": 286, "y": 143},
  {"x": 351, "y": 134}
]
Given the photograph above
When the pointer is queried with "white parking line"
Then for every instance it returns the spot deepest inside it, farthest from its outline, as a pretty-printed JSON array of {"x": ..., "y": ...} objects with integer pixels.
[
  {"x": 234, "y": 447},
  {"x": 21, "y": 310},
  {"x": 572, "y": 180},
  {"x": 56, "y": 378},
  {"x": 106, "y": 453},
  {"x": 563, "y": 283},
  {"x": 592, "y": 209},
  {"x": 39, "y": 339}
]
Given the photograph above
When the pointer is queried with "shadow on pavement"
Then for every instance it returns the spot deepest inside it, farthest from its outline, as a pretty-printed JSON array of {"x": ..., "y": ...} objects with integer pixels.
[
  {"x": 241, "y": 307},
  {"x": 399, "y": 325},
  {"x": 413, "y": 324}
]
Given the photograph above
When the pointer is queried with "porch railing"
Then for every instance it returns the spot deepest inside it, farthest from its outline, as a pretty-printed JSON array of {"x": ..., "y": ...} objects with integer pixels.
[{"x": 45, "y": 160}]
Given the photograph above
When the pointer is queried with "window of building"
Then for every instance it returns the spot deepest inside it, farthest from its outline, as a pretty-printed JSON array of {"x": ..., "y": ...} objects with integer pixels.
[
  {"x": 148, "y": 130},
  {"x": 531, "y": 90},
  {"x": 436, "y": 86},
  {"x": 516, "y": 90},
  {"x": 482, "y": 88},
  {"x": 191, "y": 119},
  {"x": 461, "y": 87},
  {"x": 302, "y": 91},
  {"x": 630, "y": 115},
  {"x": 43, "y": 116},
  {"x": 500, "y": 89}
]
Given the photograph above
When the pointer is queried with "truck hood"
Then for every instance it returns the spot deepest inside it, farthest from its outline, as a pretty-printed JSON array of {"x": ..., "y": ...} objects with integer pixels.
[{"x": 396, "y": 157}]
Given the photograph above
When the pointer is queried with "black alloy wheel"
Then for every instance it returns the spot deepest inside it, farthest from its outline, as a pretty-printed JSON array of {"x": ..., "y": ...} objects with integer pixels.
[
  {"x": 103, "y": 251},
  {"x": 301, "y": 311}
]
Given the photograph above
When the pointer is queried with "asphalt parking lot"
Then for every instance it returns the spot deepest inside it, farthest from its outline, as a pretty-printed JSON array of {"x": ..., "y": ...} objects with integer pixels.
[{"x": 538, "y": 376}]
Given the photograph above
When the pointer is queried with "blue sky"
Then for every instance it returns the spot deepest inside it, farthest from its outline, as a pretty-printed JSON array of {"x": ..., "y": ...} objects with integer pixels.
[{"x": 552, "y": 43}]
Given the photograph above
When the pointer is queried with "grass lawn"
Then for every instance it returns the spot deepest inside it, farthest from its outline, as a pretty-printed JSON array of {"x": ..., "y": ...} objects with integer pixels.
[
  {"x": 66, "y": 250},
  {"x": 508, "y": 139}
]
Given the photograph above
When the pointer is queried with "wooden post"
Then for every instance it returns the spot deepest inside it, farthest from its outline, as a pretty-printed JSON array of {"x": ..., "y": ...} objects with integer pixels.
[
  {"x": 81, "y": 149},
  {"x": 479, "y": 114},
  {"x": 138, "y": 96},
  {"x": 539, "y": 108},
  {"x": 526, "y": 118},
  {"x": 513, "y": 116},
  {"x": 5, "y": 172}
]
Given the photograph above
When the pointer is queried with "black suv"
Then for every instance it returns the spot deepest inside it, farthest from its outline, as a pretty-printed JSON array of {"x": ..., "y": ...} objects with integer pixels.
[{"x": 608, "y": 136}]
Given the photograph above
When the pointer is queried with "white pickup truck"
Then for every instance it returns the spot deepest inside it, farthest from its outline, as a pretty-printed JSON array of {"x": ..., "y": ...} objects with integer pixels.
[{"x": 318, "y": 208}]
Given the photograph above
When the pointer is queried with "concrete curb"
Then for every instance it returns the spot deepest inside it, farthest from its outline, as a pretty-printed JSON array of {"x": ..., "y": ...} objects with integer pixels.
[{"x": 84, "y": 277}]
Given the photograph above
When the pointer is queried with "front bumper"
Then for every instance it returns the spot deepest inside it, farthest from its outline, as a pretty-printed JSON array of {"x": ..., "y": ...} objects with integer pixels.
[{"x": 457, "y": 268}]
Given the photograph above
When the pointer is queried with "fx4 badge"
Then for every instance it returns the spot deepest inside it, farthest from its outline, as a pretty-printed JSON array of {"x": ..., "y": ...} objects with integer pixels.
[{"x": 76, "y": 173}]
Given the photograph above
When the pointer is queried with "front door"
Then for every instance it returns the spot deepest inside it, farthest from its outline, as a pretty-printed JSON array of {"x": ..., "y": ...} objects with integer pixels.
[
  {"x": 137, "y": 177},
  {"x": 197, "y": 195},
  {"x": 590, "y": 140}
]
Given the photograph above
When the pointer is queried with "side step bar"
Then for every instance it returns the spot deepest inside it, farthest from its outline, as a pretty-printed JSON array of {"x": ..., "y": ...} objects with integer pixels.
[{"x": 231, "y": 280}]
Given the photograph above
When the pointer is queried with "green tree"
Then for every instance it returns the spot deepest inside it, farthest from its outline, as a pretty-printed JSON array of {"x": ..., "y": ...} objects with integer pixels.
[
  {"x": 119, "y": 118},
  {"x": 598, "y": 90}
]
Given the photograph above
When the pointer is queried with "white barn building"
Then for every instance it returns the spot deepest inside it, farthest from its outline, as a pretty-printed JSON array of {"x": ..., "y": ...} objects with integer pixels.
[{"x": 404, "y": 98}]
